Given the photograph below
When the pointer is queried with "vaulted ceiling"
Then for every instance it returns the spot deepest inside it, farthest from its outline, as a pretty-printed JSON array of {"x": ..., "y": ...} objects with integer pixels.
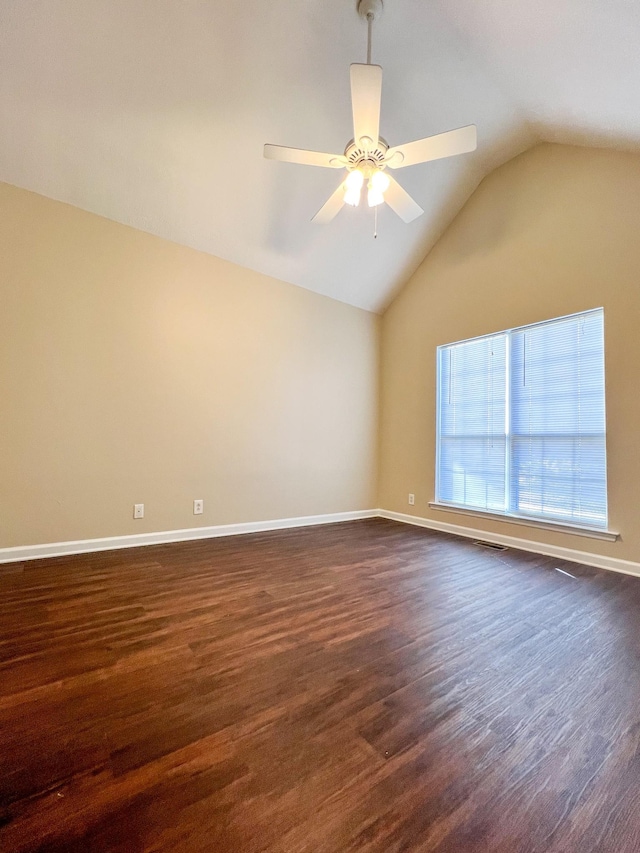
[{"x": 153, "y": 113}]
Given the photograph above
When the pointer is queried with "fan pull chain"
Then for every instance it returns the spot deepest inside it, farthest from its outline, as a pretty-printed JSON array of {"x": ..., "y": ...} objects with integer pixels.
[{"x": 375, "y": 222}]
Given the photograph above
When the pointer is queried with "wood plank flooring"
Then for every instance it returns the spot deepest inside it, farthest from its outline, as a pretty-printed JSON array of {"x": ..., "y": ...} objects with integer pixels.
[{"x": 357, "y": 687}]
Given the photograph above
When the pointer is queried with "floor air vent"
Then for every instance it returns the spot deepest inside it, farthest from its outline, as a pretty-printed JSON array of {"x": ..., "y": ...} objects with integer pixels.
[{"x": 493, "y": 545}]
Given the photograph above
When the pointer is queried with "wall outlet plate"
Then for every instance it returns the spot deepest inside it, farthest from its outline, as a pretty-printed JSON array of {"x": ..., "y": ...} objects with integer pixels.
[
  {"x": 138, "y": 510},
  {"x": 198, "y": 507},
  {"x": 412, "y": 500}
]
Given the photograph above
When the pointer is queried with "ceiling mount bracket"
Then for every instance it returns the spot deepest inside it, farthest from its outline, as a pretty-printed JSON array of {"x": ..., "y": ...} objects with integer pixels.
[{"x": 370, "y": 9}]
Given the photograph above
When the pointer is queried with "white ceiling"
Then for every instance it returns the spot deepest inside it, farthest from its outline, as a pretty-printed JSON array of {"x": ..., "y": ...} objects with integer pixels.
[{"x": 154, "y": 113}]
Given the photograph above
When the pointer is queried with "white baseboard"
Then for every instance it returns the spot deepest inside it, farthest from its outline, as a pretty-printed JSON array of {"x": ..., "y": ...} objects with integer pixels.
[
  {"x": 83, "y": 546},
  {"x": 613, "y": 564}
]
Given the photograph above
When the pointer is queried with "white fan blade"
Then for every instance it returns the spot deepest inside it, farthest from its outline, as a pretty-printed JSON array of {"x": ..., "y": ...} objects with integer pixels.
[
  {"x": 401, "y": 202},
  {"x": 366, "y": 93},
  {"x": 433, "y": 147},
  {"x": 305, "y": 158},
  {"x": 331, "y": 207}
]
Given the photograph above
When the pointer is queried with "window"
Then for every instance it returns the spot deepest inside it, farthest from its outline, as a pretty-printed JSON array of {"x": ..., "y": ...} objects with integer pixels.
[{"x": 521, "y": 422}]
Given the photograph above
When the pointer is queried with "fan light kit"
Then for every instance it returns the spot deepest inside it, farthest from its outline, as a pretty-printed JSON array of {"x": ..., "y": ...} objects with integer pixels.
[{"x": 367, "y": 156}]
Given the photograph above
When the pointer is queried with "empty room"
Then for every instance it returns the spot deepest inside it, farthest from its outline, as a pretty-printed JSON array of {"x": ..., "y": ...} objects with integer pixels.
[{"x": 319, "y": 469}]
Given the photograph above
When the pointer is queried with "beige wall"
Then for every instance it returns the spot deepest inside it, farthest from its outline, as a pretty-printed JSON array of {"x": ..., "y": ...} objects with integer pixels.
[
  {"x": 133, "y": 370},
  {"x": 555, "y": 231}
]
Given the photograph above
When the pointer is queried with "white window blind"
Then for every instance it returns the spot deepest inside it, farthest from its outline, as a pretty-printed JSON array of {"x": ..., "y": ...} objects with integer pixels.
[
  {"x": 472, "y": 423},
  {"x": 521, "y": 422}
]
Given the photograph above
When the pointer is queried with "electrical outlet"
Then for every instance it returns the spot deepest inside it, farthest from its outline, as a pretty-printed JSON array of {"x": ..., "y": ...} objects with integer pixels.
[
  {"x": 138, "y": 510},
  {"x": 198, "y": 507},
  {"x": 412, "y": 500}
]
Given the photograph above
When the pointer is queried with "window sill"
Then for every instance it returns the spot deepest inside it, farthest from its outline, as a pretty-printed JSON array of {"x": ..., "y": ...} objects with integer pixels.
[{"x": 590, "y": 532}]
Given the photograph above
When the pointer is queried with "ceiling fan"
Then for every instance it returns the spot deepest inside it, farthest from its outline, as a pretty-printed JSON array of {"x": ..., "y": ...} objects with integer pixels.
[{"x": 368, "y": 155}]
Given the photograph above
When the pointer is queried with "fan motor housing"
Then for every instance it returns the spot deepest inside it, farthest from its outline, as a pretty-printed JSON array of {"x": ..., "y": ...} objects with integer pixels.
[{"x": 359, "y": 156}]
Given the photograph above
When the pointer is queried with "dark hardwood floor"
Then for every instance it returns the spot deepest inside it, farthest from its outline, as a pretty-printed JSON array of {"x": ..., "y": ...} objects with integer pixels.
[{"x": 358, "y": 687}]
